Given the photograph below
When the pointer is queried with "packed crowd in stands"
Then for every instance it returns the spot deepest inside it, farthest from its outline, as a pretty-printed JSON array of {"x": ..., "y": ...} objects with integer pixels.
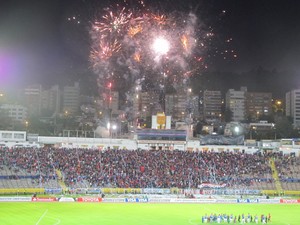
[
  {"x": 288, "y": 168},
  {"x": 140, "y": 168}
]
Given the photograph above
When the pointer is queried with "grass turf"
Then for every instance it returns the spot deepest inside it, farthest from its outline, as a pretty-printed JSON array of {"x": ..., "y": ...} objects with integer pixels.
[{"x": 39, "y": 213}]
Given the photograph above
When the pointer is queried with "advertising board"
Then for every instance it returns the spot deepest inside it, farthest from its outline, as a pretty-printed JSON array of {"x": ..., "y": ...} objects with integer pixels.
[
  {"x": 141, "y": 200},
  {"x": 43, "y": 199},
  {"x": 15, "y": 199},
  {"x": 89, "y": 199},
  {"x": 290, "y": 201}
]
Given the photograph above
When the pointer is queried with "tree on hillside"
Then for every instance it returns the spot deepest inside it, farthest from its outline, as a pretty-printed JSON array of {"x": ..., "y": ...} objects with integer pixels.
[
  {"x": 228, "y": 115},
  {"x": 284, "y": 127},
  {"x": 5, "y": 121}
]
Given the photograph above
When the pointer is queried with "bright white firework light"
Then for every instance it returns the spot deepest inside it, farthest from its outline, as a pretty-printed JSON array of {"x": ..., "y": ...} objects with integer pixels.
[{"x": 161, "y": 46}]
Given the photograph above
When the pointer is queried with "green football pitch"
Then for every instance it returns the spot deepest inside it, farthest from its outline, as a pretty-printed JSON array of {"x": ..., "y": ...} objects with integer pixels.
[{"x": 136, "y": 213}]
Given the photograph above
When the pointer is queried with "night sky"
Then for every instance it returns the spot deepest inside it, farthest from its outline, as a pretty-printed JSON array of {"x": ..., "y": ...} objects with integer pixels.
[{"x": 48, "y": 41}]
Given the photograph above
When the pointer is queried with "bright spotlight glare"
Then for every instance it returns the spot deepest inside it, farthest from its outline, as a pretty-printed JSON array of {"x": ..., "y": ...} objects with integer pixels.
[
  {"x": 161, "y": 46},
  {"x": 237, "y": 129}
]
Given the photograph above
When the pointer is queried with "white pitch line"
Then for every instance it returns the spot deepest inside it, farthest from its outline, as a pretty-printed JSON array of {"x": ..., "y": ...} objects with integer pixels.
[
  {"x": 42, "y": 217},
  {"x": 191, "y": 222},
  {"x": 57, "y": 222}
]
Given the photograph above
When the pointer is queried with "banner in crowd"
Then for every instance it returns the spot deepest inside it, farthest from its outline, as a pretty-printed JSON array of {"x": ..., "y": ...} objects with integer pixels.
[
  {"x": 156, "y": 191},
  {"x": 53, "y": 190},
  {"x": 93, "y": 190},
  {"x": 86, "y": 190},
  {"x": 230, "y": 192},
  {"x": 210, "y": 185}
]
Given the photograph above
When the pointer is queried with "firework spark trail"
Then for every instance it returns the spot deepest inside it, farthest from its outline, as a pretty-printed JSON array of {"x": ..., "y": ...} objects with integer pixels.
[{"x": 113, "y": 22}]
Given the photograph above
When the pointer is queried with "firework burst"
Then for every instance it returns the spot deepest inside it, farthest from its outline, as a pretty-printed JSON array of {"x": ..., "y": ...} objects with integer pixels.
[{"x": 138, "y": 46}]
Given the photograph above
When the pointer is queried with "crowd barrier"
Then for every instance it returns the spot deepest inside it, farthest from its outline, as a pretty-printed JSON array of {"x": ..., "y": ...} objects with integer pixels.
[
  {"x": 276, "y": 193},
  {"x": 172, "y": 191},
  {"x": 21, "y": 191},
  {"x": 146, "y": 191},
  {"x": 121, "y": 190},
  {"x": 294, "y": 193}
]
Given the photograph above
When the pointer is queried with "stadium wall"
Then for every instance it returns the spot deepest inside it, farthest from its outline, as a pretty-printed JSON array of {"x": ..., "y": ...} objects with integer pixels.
[
  {"x": 12, "y": 136},
  {"x": 18, "y": 139}
]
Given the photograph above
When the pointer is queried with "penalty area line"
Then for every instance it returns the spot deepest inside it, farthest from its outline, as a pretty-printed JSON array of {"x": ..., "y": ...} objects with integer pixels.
[
  {"x": 40, "y": 219},
  {"x": 192, "y": 221}
]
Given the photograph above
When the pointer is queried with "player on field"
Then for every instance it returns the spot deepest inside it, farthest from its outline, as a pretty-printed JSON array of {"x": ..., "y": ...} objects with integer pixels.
[{"x": 256, "y": 219}]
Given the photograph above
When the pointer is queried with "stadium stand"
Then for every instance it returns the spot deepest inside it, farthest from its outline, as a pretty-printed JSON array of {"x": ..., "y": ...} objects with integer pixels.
[
  {"x": 288, "y": 167},
  {"x": 48, "y": 167}
]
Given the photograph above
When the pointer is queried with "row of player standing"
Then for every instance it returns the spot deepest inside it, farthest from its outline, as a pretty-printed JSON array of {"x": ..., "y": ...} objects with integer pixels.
[{"x": 241, "y": 219}]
